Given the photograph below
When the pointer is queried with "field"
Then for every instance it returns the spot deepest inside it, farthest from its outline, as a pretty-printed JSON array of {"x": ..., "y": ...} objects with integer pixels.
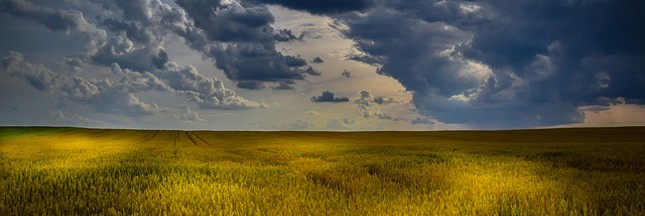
[{"x": 67, "y": 171}]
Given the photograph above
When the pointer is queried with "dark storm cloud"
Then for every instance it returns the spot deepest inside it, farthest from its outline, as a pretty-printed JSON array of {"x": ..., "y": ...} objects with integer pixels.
[
  {"x": 253, "y": 85},
  {"x": 323, "y": 6},
  {"x": 367, "y": 59},
  {"x": 160, "y": 60},
  {"x": 243, "y": 41},
  {"x": 55, "y": 19},
  {"x": 295, "y": 61},
  {"x": 133, "y": 30},
  {"x": 285, "y": 35},
  {"x": 588, "y": 49},
  {"x": 231, "y": 22},
  {"x": 506, "y": 63},
  {"x": 328, "y": 96},
  {"x": 58, "y": 20}
]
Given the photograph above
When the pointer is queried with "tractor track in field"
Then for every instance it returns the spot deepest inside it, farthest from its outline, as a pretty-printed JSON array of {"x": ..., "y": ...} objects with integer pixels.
[
  {"x": 191, "y": 138},
  {"x": 149, "y": 136},
  {"x": 200, "y": 138},
  {"x": 174, "y": 143}
]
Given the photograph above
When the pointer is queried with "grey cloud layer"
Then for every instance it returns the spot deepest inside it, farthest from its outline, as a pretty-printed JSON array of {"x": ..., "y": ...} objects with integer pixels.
[
  {"x": 243, "y": 42},
  {"x": 495, "y": 63},
  {"x": 102, "y": 95},
  {"x": 488, "y": 63},
  {"x": 130, "y": 43},
  {"x": 65, "y": 20}
]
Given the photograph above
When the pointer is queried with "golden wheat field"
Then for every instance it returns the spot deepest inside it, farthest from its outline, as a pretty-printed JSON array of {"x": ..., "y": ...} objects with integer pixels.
[{"x": 71, "y": 171}]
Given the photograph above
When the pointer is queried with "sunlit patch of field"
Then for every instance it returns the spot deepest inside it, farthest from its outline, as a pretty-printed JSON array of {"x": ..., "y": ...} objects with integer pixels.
[{"x": 66, "y": 171}]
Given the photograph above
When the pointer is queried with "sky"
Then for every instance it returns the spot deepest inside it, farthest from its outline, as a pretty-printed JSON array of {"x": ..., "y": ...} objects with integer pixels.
[{"x": 322, "y": 64}]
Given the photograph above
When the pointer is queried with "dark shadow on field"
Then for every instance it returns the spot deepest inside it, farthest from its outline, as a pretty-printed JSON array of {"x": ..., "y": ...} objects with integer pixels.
[
  {"x": 80, "y": 191},
  {"x": 380, "y": 171},
  {"x": 597, "y": 170},
  {"x": 7, "y": 133},
  {"x": 603, "y": 186},
  {"x": 589, "y": 162},
  {"x": 411, "y": 156},
  {"x": 381, "y": 182},
  {"x": 253, "y": 157},
  {"x": 585, "y": 149}
]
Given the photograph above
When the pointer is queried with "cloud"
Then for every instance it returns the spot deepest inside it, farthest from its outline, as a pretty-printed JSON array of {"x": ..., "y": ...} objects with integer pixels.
[
  {"x": 340, "y": 124},
  {"x": 367, "y": 106},
  {"x": 240, "y": 38},
  {"x": 323, "y": 6},
  {"x": 312, "y": 71},
  {"x": 328, "y": 96},
  {"x": 346, "y": 73},
  {"x": 114, "y": 96},
  {"x": 616, "y": 114},
  {"x": 133, "y": 52},
  {"x": 285, "y": 35},
  {"x": 367, "y": 59},
  {"x": 188, "y": 116},
  {"x": 349, "y": 121},
  {"x": 75, "y": 119},
  {"x": 380, "y": 100},
  {"x": 490, "y": 63},
  {"x": 294, "y": 61},
  {"x": 103, "y": 96},
  {"x": 38, "y": 76},
  {"x": 299, "y": 125},
  {"x": 56, "y": 20},
  {"x": 498, "y": 64},
  {"x": 423, "y": 120},
  {"x": 284, "y": 86},
  {"x": 317, "y": 60},
  {"x": 207, "y": 92}
]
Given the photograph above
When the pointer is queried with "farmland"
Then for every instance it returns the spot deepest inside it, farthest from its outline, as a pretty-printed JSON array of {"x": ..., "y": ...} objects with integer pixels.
[{"x": 66, "y": 171}]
